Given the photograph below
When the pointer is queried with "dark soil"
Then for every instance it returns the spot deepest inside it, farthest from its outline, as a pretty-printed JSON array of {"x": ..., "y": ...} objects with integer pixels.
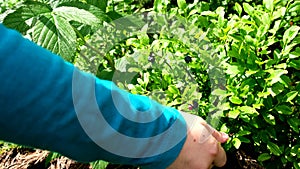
[{"x": 24, "y": 158}]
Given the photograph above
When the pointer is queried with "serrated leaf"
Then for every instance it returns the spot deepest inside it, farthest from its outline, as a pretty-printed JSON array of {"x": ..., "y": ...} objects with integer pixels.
[
  {"x": 17, "y": 20},
  {"x": 284, "y": 109},
  {"x": 76, "y": 14},
  {"x": 248, "y": 9},
  {"x": 96, "y": 11},
  {"x": 290, "y": 96},
  {"x": 102, "y": 4},
  {"x": 55, "y": 34},
  {"x": 274, "y": 148},
  {"x": 290, "y": 34},
  {"x": 264, "y": 157}
]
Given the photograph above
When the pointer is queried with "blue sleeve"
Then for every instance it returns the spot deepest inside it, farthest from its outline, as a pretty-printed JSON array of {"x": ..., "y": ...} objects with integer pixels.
[{"x": 48, "y": 103}]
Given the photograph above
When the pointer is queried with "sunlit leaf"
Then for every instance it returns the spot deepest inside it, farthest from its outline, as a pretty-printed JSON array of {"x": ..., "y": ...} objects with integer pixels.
[{"x": 290, "y": 34}]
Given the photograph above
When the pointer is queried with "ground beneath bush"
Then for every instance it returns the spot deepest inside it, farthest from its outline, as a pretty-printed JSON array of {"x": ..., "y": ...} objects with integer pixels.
[{"x": 24, "y": 158}]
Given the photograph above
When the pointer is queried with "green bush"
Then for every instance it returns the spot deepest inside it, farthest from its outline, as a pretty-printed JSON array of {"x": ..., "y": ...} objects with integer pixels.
[{"x": 254, "y": 44}]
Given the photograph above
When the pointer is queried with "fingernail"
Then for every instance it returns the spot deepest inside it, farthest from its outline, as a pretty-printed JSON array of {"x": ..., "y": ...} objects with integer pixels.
[{"x": 225, "y": 136}]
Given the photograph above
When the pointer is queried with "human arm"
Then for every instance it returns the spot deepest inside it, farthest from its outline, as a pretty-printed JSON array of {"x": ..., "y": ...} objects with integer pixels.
[{"x": 48, "y": 103}]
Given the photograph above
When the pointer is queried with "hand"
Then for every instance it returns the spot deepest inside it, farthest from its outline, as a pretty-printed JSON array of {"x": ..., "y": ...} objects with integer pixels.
[{"x": 202, "y": 148}]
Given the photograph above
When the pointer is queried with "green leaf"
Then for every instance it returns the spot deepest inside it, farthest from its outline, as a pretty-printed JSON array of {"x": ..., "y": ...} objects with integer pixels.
[
  {"x": 269, "y": 118},
  {"x": 173, "y": 89},
  {"x": 248, "y": 9},
  {"x": 290, "y": 34},
  {"x": 233, "y": 70},
  {"x": 284, "y": 109},
  {"x": 268, "y": 4},
  {"x": 290, "y": 96},
  {"x": 235, "y": 100},
  {"x": 233, "y": 113},
  {"x": 17, "y": 20},
  {"x": 294, "y": 64},
  {"x": 55, "y": 34},
  {"x": 96, "y": 11},
  {"x": 274, "y": 148},
  {"x": 294, "y": 124},
  {"x": 264, "y": 157},
  {"x": 238, "y": 8},
  {"x": 51, "y": 156},
  {"x": 236, "y": 143},
  {"x": 244, "y": 132},
  {"x": 99, "y": 164},
  {"x": 295, "y": 7},
  {"x": 248, "y": 110},
  {"x": 102, "y": 4},
  {"x": 296, "y": 165},
  {"x": 75, "y": 14},
  {"x": 275, "y": 75},
  {"x": 181, "y": 4}
]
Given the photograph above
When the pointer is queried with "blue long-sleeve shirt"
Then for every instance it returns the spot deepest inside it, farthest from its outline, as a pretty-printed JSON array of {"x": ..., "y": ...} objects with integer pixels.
[{"x": 47, "y": 103}]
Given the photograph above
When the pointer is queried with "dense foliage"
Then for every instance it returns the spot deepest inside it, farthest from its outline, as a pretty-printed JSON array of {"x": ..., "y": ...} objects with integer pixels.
[{"x": 235, "y": 62}]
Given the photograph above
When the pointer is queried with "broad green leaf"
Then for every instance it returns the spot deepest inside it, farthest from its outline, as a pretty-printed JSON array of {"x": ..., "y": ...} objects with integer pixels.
[
  {"x": 275, "y": 75},
  {"x": 238, "y": 8},
  {"x": 294, "y": 64},
  {"x": 294, "y": 124},
  {"x": 290, "y": 34},
  {"x": 264, "y": 157},
  {"x": 290, "y": 96},
  {"x": 244, "y": 132},
  {"x": 96, "y": 11},
  {"x": 295, "y": 54},
  {"x": 236, "y": 143},
  {"x": 296, "y": 165},
  {"x": 274, "y": 148},
  {"x": 55, "y": 34},
  {"x": 268, "y": 4},
  {"x": 295, "y": 7},
  {"x": 284, "y": 109},
  {"x": 269, "y": 118},
  {"x": 277, "y": 88},
  {"x": 235, "y": 100},
  {"x": 244, "y": 139},
  {"x": 75, "y": 14},
  {"x": 17, "y": 20},
  {"x": 233, "y": 70},
  {"x": 248, "y": 9},
  {"x": 102, "y": 4},
  {"x": 173, "y": 89},
  {"x": 248, "y": 110},
  {"x": 181, "y": 4},
  {"x": 233, "y": 113}
]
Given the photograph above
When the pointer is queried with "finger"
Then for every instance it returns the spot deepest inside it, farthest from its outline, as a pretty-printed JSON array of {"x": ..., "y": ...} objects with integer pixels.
[
  {"x": 219, "y": 136},
  {"x": 220, "y": 159}
]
